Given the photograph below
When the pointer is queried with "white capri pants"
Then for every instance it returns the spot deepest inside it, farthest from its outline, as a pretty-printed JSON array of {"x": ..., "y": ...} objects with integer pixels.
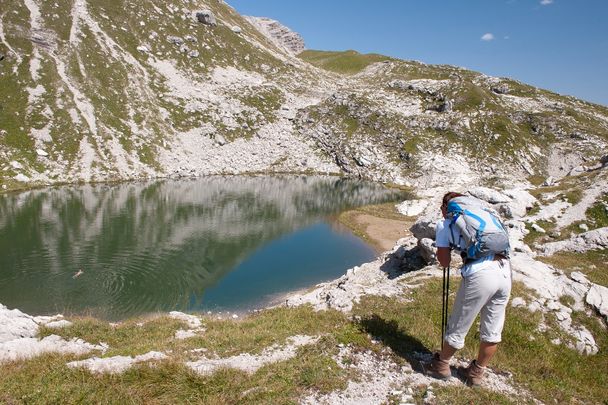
[{"x": 487, "y": 291}]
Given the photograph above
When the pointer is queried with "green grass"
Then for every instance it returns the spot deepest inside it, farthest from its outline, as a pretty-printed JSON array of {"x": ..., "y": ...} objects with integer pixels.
[
  {"x": 534, "y": 236},
  {"x": 591, "y": 263},
  {"x": 346, "y": 62},
  {"x": 548, "y": 371},
  {"x": 405, "y": 326}
]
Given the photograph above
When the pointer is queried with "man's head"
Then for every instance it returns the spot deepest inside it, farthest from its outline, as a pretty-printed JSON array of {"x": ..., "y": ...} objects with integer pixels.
[{"x": 446, "y": 199}]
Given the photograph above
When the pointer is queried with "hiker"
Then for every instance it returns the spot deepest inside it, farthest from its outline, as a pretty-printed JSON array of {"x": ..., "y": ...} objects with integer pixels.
[{"x": 485, "y": 286}]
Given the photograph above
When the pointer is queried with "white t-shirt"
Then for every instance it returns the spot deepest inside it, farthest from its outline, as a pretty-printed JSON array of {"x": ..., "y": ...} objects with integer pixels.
[{"x": 445, "y": 239}]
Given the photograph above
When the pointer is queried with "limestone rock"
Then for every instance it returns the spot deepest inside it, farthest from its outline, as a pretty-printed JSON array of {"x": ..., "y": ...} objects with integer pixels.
[
  {"x": 175, "y": 40},
  {"x": 206, "y": 17},
  {"x": 16, "y": 324},
  {"x": 236, "y": 29},
  {"x": 427, "y": 250},
  {"x": 537, "y": 228},
  {"x": 521, "y": 202},
  {"x": 424, "y": 227},
  {"x": 579, "y": 277},
  {"x": 597, "y": 297},
  {"x": 62, "y": 323},
  {"x": 280, "y": 35},
  {"x": 501, "y": 88},
  {"x": 518, "y": 302},
  {"x": 411, "y": 208},
  {"x": 16, "y": 165},
  {"x": 29, "y": 347},
  {"x": 489, "y": 195},
  {"x": 22, "y": 178},
  {"x": 591, "y": 240},
  {"x": 115, "y": 364},
  {"x": 193, "y": 321}
]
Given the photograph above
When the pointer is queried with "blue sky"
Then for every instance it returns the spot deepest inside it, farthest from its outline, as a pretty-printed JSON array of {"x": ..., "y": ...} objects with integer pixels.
[{"x": 560, "y": 45}]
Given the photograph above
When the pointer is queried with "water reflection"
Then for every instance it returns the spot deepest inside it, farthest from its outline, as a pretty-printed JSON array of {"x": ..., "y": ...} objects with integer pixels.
[{"x": 160, "y": 245}]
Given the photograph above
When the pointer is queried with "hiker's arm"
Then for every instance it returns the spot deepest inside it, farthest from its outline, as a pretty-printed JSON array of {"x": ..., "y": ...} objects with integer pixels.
[{"x": 444, "y": 256}]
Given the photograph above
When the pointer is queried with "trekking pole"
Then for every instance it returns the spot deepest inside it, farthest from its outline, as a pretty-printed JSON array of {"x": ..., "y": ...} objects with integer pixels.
[
  {"x": 443, "y": 308},
  {"x": 447, "y": 301}
]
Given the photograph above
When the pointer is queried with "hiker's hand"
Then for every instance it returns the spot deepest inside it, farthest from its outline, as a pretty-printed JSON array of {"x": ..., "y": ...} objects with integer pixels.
[{"x": 444, "y": 256}]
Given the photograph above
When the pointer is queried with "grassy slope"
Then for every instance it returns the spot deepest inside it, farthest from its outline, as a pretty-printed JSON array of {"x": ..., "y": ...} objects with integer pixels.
[
  {"x": 128, "y": 108},
  {"x": 548, "y": 371},
  {"x": 346, "y": 62}
]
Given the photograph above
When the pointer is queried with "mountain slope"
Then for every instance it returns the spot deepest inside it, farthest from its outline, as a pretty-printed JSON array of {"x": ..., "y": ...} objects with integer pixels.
[{"x": 112, "y": 90}]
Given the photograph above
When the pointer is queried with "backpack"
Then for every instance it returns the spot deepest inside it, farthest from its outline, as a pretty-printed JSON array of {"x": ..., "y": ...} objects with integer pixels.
[{"x": 482, "y": 233}]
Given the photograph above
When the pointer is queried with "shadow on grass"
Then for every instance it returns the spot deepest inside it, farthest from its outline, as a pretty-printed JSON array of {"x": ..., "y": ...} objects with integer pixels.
[{"x": 406, "y": 346}]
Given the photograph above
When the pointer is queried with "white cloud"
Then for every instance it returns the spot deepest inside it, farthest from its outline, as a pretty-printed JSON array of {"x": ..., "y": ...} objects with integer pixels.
[
  {"x": 545, "y": 2},
  {"x": 487, "y": 36}
]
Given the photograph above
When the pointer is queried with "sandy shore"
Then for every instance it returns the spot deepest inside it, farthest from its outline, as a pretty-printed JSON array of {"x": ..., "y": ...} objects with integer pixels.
[{"x": 380, "y": 226}]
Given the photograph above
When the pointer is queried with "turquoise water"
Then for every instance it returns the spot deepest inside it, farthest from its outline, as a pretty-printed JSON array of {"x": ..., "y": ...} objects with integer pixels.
[{"x": 217, "y": 243}]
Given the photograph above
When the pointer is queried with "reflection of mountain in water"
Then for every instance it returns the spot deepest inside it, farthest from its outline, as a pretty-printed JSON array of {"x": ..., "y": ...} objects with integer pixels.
[{"x": 152, "y": 246}]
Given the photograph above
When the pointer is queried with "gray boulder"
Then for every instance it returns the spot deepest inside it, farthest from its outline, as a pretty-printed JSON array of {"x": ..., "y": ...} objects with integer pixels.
[
  {"x": 501, "y": 88},
  {"x": 206, "y": 17},
  {"x": 424, "y": 227},
  {"x": 175, "y": 40},
  {"x": 427, "y": 250}
]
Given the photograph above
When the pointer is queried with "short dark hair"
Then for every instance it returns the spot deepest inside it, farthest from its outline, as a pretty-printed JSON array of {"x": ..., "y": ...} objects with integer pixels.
[{"x": 448, "y": 196}]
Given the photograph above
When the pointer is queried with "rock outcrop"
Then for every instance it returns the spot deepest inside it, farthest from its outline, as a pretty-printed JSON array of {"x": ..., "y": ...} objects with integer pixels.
[
  {"x": 590, "y": 240},
  {"x": 206, "y": 17},
  {"x": 279, "y": 34}
]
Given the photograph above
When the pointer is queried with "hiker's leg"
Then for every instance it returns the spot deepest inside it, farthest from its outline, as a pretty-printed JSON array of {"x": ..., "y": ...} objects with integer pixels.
[
  {"x": 492, "y": 317},
  {"x": 447, "y": 351},
  {"x": 470, "y": 298},
  {"x": 486, "y": 352}
]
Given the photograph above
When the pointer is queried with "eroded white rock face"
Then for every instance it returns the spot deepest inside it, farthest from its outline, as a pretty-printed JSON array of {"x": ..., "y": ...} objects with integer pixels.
[
  {"x": 283, "y": 37},
  {"x": 25, "y": 348},
  {"x": 18, "y": 336},
  {"x": 597, "y": 297},
  {"x": 251, "y": 363},
  {"x": 16, "y": 324},
  {"x": 115, "y": 364},
  {"x": 551, "y": 284}
]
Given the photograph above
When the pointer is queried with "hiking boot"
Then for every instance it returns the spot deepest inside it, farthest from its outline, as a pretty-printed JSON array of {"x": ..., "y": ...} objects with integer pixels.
[
  {"x": 437, "y": 368},
  {"x": 473, "y": 374}
]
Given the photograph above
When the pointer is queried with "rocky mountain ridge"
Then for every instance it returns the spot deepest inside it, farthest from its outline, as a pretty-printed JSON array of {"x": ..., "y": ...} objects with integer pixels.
[
  {"x": 282, "y": 36},
  {"x": 98, "y": 91}
]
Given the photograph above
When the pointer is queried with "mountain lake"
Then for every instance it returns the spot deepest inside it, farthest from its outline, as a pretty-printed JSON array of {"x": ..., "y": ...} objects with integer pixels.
[{"x": 216, "y": 243}]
